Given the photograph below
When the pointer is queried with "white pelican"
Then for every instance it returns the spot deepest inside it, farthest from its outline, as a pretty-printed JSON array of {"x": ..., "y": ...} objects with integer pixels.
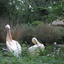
[
  {"x": 37, "y": 47},
  {"x": 12, "y": 45}
]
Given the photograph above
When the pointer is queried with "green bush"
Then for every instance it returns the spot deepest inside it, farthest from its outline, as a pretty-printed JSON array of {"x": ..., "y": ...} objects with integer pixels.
[
  {"x": 25, "y": 32},
  {"x": 49, "y": 56},
  {"x": 18, "y": 30},
  {"x": 43, "y": 32},
  {"x": 46, "y": 33}
]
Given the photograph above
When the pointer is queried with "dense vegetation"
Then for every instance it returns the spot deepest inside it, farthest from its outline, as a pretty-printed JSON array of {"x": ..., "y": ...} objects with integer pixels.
[
  {"x": 51, "y": 55},
  {"x": 29, "y": 11},
  {"x": 32, "y": 18},
  {"x": 29, "y": 16}
]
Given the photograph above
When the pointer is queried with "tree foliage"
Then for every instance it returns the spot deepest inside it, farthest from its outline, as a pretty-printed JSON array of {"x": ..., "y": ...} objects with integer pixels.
[{"x": 31, "y": 10}]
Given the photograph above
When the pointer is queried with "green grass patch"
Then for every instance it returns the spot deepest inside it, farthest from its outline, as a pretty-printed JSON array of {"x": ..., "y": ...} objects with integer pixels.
[{"x": 49, "y": 56}]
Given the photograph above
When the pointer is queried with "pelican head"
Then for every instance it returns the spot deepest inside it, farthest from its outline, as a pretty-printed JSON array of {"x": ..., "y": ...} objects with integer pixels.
[
  {"x": 7, "y": 26},
  {"x": 34, "y": 40}
]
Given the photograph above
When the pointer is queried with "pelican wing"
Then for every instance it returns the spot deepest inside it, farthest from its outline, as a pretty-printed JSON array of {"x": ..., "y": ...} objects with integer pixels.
[
  {"x": 18, "y": 47},
  {"x": 14, "y": 47},
  {"x": 34, "y": 49}
]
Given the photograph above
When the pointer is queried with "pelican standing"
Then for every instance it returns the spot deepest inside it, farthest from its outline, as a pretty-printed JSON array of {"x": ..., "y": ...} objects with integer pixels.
[
  {"x": 35, "y": 48},
  {"x": 12, "y": 46}
]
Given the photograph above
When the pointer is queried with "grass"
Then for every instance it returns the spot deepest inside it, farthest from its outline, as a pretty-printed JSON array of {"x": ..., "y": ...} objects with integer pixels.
[{"x": 50, "y": 55}]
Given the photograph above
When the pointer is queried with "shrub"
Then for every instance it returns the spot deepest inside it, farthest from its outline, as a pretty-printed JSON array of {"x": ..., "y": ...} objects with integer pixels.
[
  {"x": 62, "y": 34},
  {"x": 28, "y": 34},
  {"x": 18, "y": 30},
  {"x": 46, "y": 33},
  {"x": 25, "y": 32},
  {"x": 43, "y": 32}
]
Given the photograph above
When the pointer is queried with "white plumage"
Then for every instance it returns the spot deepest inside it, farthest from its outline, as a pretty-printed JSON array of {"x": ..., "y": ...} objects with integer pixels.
[
  {"x": 13, "y": 46},
  {"x": 37, "y": 47}
]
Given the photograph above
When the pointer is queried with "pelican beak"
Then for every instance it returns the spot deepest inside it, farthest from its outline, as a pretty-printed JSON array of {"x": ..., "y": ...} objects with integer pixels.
[{"x": 34, "y": 42}]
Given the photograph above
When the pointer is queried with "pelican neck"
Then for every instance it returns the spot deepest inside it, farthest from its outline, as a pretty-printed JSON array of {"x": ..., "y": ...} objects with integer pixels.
[{"x": 9, "y": 36}]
